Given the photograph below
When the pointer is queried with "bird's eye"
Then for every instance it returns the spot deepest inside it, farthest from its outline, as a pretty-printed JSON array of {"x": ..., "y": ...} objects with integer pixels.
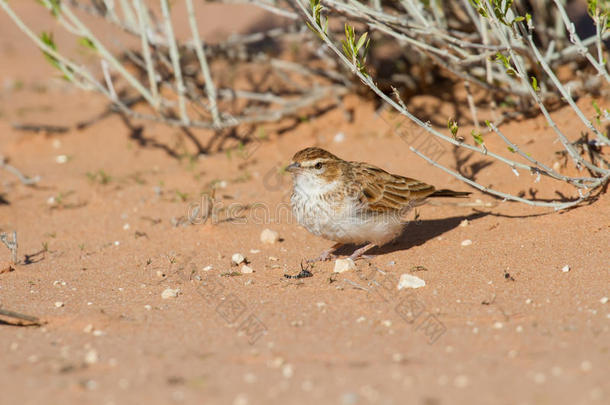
[{"x": 318, "y": 165}]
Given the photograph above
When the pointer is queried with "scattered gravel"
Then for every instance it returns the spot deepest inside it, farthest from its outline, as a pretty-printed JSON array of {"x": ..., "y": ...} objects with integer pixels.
[
  {"x": 409, "y": 281},
  {"x": 269, "y": 236},
  {"x": 170, "y": 293},
  {"x": 342, "y": 265}
]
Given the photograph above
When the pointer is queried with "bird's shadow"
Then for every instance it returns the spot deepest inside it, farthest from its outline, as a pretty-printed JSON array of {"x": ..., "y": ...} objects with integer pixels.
[{"x": 416, "y": 233}]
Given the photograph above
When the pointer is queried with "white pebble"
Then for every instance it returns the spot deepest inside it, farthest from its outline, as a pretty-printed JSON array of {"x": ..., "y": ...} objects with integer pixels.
[
  {"x": 409, "y": 281},
  {"x": 342, "y": 265},
  {"x": 528, "y": 301},
  {"x": 59, "y": 304},
  {"x": 273, "y": 258},
  {"x": 269, "y": 236},
  {"x": 238, "y": 258},
  {"x": 207, "y": 268},
  {"x": 461, "y": 381},
  {"x": 519, "y": 329},
  {"x": 126, "y": 227},
  {"x": 361, "y": 319},
  {"x": 147, "y": 307},
  {"x": 61, "y": 159},
  {"x": 339, "y": 137},
  {"x": 255, "y": 251},
  {"x": 170, "y": 293},
  {"x": 117, "y": 243},
  {"x": 464, "y": 223},
  {"x": 88, "y": 328},
  {"x": 387, "y": 323},
  {"x": 498, "y": 325},
  {"x": 287, "y": 371},
  {"x": 539, "y": 378},
  {"x": 466, "y": 242},
  {"x": 246, "y": 269},
  {"x": 604, "y": 300},
  {"x": 91, "y": 357},
  {"x": 565, "y": 268}
]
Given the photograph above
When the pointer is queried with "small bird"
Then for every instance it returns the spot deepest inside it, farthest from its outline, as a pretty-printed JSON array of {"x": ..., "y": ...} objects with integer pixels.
[{"x": 353, "y": 202}]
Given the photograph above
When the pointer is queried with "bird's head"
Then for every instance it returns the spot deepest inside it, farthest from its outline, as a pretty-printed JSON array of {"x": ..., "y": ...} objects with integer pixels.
[{"x": 315, "y": 167}]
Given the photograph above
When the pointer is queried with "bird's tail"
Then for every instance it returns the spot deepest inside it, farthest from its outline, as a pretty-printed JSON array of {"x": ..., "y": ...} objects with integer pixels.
[{"x": 450, "y": 193}]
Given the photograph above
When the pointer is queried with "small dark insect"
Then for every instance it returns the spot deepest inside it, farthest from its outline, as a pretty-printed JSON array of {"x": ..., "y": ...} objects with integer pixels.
[
  {"x": 507, "y": 276},
  {"x": 303, "y": 274}
]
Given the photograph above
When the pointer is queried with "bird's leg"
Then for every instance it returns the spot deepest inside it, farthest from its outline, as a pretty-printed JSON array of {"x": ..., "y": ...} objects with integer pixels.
[
  {"x": 358, "y": 253},
  {"x": 327, "y": 254}
]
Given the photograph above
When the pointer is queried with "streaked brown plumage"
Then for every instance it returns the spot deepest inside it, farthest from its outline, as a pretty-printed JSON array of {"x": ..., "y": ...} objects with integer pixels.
[{"x": 353, "y": 202}]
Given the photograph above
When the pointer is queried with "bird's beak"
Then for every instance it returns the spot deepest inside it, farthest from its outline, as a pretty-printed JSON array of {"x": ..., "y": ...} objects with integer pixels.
[{"x": 293, "y": 167}]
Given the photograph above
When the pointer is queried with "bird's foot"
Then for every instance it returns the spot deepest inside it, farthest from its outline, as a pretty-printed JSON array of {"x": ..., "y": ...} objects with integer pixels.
[
  {"x": 359, "y": 253},
  {"x": 326, "y": 255}
]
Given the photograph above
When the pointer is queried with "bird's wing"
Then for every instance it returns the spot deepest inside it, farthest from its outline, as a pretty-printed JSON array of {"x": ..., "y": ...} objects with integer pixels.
[{"x": 383, "y": 192}]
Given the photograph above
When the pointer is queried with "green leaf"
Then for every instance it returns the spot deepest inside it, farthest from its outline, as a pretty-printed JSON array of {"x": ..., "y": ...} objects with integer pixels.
[
  {"x": 535, "y": 84},
  {"x": 511, "y": 149},
  {"x": 86, "y": 42},
  {"x": 478, "y": 138}
]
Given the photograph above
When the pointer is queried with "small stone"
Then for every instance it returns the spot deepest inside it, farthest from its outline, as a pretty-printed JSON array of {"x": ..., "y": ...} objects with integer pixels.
[
  {"x": 604, "y": 300},
  {"x": 117, "y": 243},
  {"x": 273, "y": 258},
  {"x": 519, "y": 329},
  {"x": 126, "y": 227},
  {"x": 88, "y": 328},
  {"x": 565, "y": 268},
  {"x": 61, "y": 159},
  {"x": 410, "y": 281},
  {"x": 59, "y": 304},
  {"x": 269, "y": 236},
  {"x": 461, "y": 381},
  {"x": 207, "y": 268},
  {"x": 147, "y": 307},
  {"x": 287, "y": 370},
  {"x": 387, "y": 323},
  {"x": 498, "y": 325},
  {"x": 98, "y": 333},
  {"x": 528, "y": 301},
  {"x": 160, "y": 274},
  {"x": 170, "y": 293},
  {"x": 255, "y": 251},
  {"x": 539, "y": 378},
  {"x": 91, "y": 357},
  {"x": 339, "y": 137},
  {"x": 342, "y": 265},
  {"x": 238, "y": 258},
  {"x": 320, "y": 304},
  {"x": 466, "y": 242},
  {"x": 246, "y": 269},
  {"x": 464, "y": 223},
  {"x": 398, "y": 357},
  {"x": 361, "y": 319}
]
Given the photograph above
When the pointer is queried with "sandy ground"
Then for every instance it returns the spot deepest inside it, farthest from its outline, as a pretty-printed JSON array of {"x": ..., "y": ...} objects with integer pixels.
[{"x": 498, "y": 321}]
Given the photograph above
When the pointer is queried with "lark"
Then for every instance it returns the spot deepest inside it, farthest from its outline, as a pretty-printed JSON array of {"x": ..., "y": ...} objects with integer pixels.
[{"x": 353, "y": 202}]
